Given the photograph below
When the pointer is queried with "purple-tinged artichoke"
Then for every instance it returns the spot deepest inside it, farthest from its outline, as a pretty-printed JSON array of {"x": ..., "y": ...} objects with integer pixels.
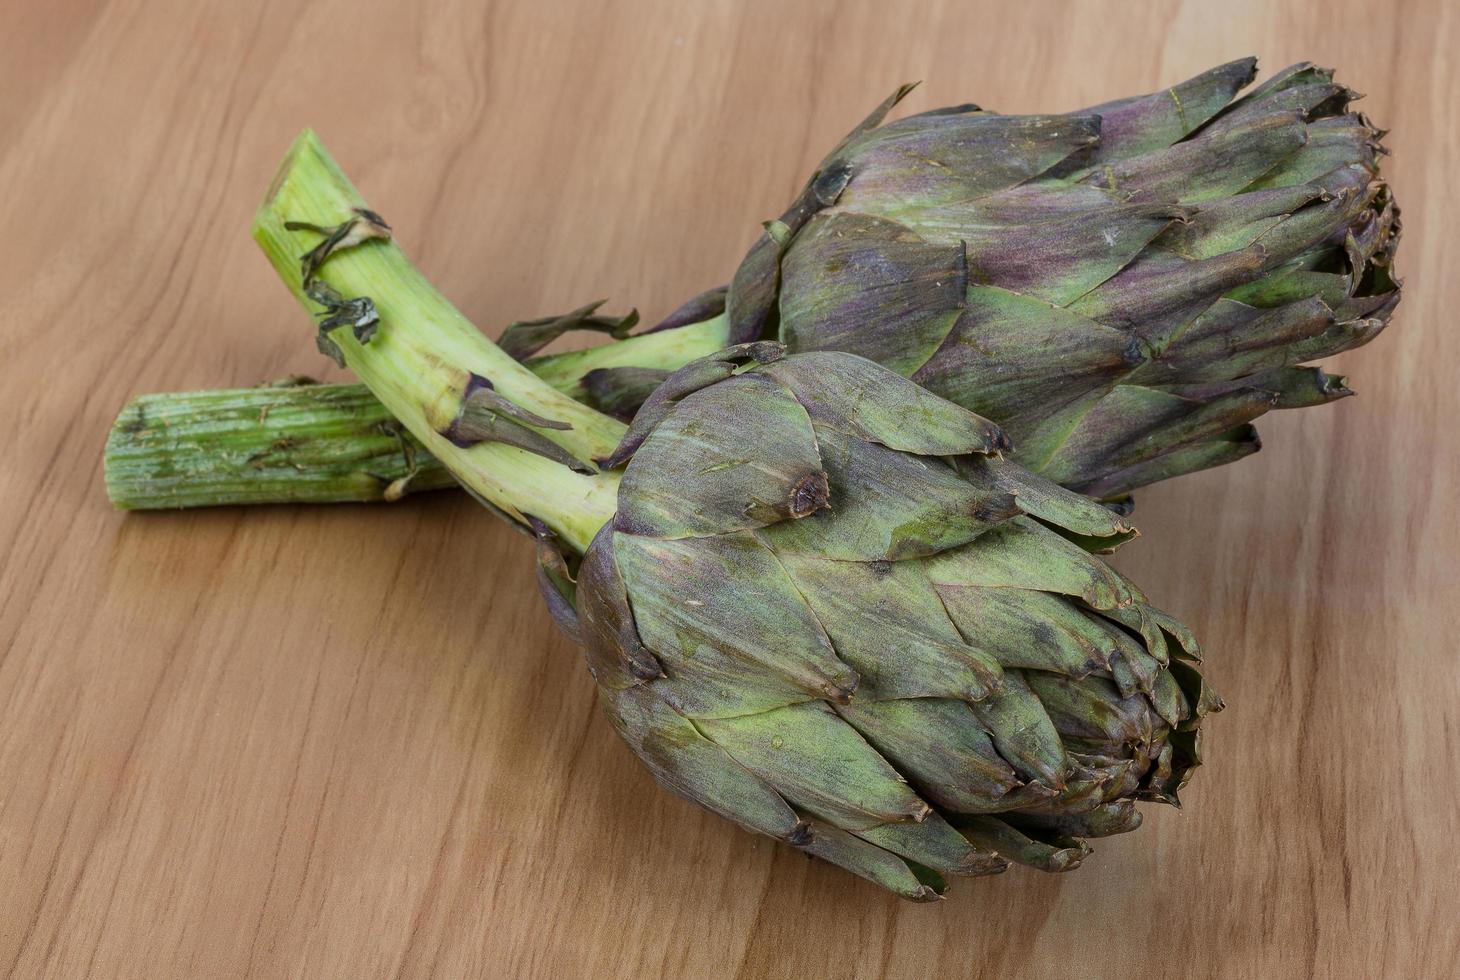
[
  {"x": 1124, "y": 289},
  {"x": 829, "y": 611}
]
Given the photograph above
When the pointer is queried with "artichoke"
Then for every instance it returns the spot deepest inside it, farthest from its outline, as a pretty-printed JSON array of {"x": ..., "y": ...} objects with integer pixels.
[
  {"x": 828, "y": 610},
  {"x": 1123, "y": 288},
  {"x": 818, "y": 600}
]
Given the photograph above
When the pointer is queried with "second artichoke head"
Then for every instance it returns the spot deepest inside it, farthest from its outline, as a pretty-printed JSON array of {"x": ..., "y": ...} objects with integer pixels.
[{"x": 828, "y": 610}]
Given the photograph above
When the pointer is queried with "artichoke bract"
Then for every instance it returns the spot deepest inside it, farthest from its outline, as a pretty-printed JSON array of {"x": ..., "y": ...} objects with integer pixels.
[
  {"x": 1123, "y": 288},
  {"x": 828, "y": 610},
  {"x": 817, "y": 600}
]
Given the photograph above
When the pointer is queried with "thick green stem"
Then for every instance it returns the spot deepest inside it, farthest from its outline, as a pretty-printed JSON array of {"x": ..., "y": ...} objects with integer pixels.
[
  {"x": 666, "y": 349},
  {"x": 422, "y": 359},
  {"x": 316, "y": 443},
  {"x": 311, "y": 443}
]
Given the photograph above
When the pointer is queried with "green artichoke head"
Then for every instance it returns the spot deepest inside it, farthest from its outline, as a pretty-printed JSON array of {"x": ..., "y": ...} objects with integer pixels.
[
  {"x": 829, "y": 610},
  {"x": 1124, "y": 289}
]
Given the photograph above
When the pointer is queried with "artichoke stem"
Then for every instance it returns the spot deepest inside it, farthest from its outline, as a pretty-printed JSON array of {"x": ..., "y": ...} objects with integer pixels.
[
  {"x": 668, "y": 350},
  {"x": 305, "y": 443},
  {"x": 424, "y": 354}
]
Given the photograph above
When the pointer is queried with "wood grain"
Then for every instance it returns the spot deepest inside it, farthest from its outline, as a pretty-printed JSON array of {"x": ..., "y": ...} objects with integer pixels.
[{"x": 346, "y": 742}]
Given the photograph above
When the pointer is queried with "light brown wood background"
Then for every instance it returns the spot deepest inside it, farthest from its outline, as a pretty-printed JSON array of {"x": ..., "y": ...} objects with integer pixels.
[{"x": 346, "y": 742}]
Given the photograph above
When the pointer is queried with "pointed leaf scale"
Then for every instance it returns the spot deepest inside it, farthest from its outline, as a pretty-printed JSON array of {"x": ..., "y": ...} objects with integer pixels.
[
  {"x": 526, "y": 337},
  {"x": 1042, "y": 200},
  {"x": 1120, "y": 777},
  {"x": 1337, "y": 338},
  {"x": 1132, "y": 423},
  {"x": 1019, "y": 359},
  {"x": 1206, "y": 166},
  {"x": 1168, "y": 700},
  {"x": 705, "y": 469},
  {"x": 616, "y": 656},
  {"x": 486, "y": 416},
  {"x": 728, "y": 625},
  {"x": 1049, "y": 501},
  {"x": 1290, "y": 286},
  {"x": 1134, "y": 126},
  {"x": 1233, "y": 339},
  {"x": 1058, "y": 854},
  {"x": 1371, "y": 299},
  {"x": 1026, "y": 628},
  {"x": 943, "y": 159},
  {"x": 1123, "y": 676},
  {"x": 811, "y": 756},
  {"x": 1292, "y": 387},
  {"x": 890, "y": 505},
  {"x": 621, "y": 391},
  {"x": 1102, "y": 821},
  {"x": 874, "y": 863},
  {"x": 1302, "y": 387},
  {"x": 703, "y": 306},
  {"x": 866, "y": 400},
  {"x": 1084, "y": 790},
  {"x": 1294, "y": 75},
  {"x": 1199, "y": 693},
  {"x": 1331, "y": 143},
  {"x": 1183, "y": 642},
  {"x": 1216, "y": 451},
  {"x": 1167, "y": 774},
  {"x": 850, "y": 270},
  {"x": 1092, "y": 708},
  {"x": 555, "y": 583},
  {"x": 690, "y": 378},
  {"x": 1160, "y": 284},
  {"x": 1348, "y": 193},
  {"x": 887, "y": 624},
  {"x": 941, "y": 747},
  {"x": 1024, "y": 554},
  {"x": 1055, "y": 257},
  {"x": 1140, "y": 626},
  {"x": 1023, "y": 732},
  {"x": 751, "y": 302},
  {"x": 869, "y": 122},
  {"x": 934, "y": 844},
  {"x": 1228, "y": 224},
  {"x": 687, "y": 763},
  {"x": 1117, "y": 776}
]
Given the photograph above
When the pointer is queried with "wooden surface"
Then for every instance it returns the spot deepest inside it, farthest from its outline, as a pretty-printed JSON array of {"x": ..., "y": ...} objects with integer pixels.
[{"x": 346, "y": 742}]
